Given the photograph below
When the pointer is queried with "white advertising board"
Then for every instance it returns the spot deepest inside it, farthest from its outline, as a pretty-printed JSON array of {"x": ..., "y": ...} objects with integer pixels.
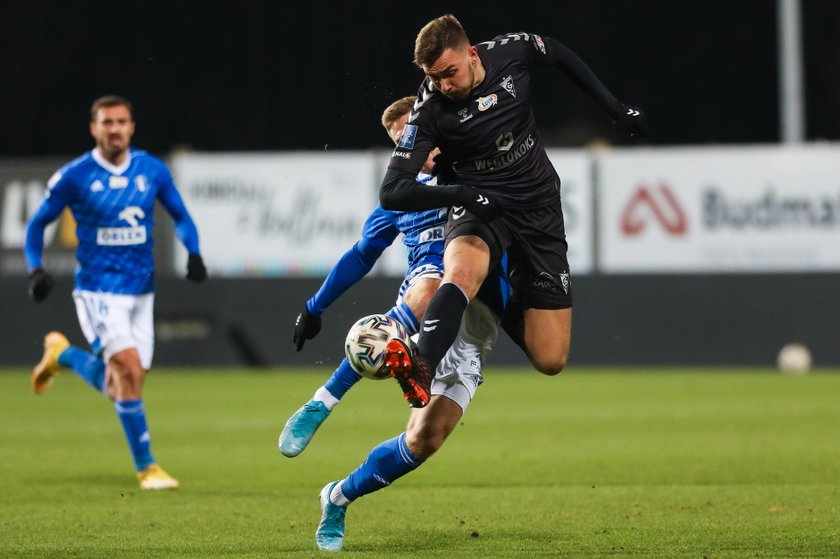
[
  {"x": 291, "y": 214},
  {"x": 774, "y": 209}
]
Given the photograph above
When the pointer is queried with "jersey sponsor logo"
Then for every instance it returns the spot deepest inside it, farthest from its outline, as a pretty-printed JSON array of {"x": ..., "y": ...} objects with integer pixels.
[
  {"x": 117, "y": 182},
  {"x": 408, "y": 136},
  {"x": 504, "y": 143},
  {"x": 131, "y": 214},
  {"x": 120, "y": 236},
  {"x": 403, "y": 154},
  {"x": 507, "y": 85},
  {"x": 539, "y": 44},
  {"x": 431, "y": 234},
  {"x": 485, "y": 103},
  {"x": 662, "y": 204}
]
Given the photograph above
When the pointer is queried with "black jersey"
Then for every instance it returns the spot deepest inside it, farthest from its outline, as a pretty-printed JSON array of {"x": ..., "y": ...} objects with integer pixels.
[{"x": 491, "y": 138}]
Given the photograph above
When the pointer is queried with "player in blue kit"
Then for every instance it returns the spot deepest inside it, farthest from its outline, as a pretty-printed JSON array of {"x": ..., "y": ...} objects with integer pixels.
[
  {"x": 111, "y": 192},
  {"x": 423, "y": 236}
]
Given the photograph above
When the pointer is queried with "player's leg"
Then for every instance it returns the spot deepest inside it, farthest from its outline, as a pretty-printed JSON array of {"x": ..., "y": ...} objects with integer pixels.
[
  {"x": 298, "y": 431},
  {"x": 466, "y": 264},
  {"x": 548, "y": 335},
  {"x": 541, "y": 277},
  {"x": 458, "y": 376},
  {"x": 386, "y": 462},
  {"x": 58, "y": 354}
]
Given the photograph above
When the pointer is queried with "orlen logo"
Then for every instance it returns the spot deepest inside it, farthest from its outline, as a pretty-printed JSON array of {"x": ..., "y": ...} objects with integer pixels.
[{"x": 659, "y": 203}]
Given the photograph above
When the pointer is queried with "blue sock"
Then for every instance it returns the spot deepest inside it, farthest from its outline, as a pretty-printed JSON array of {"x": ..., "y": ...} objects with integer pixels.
[
  {"x": 402, "y": 314},
  {"x": 132, "y": 415},
  {"x": 385, "y": 464},
  {"x": 342, "y": 380},
  {"x": 84, "y": 364}
]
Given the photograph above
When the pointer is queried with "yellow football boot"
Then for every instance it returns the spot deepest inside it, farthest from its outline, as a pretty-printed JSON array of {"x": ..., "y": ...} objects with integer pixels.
[
  {"x": 42, "y": 375},
  {"x": 154, "y": 478}
]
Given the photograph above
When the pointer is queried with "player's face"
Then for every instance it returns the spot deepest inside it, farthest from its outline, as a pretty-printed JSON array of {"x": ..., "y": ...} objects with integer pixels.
[
  {"x": 395, "y": 132},
  {"x": 455, "y": 73},
  {"x": 112, "y": 129}
]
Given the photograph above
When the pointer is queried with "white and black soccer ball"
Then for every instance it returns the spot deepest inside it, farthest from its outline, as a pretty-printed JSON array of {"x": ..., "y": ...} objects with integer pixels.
[{"x": 365, "y": 344}]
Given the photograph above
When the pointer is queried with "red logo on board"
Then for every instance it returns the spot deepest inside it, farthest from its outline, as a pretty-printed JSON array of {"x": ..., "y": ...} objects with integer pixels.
[{"x": 661, "y": 203}]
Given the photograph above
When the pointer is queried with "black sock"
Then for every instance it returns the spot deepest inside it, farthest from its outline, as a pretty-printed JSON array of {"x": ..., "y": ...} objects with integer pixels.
[{"x": 441, "y": 323}]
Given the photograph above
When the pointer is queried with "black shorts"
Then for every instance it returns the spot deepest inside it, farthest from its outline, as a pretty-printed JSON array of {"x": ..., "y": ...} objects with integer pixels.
[{"x": 535, "y": 243}]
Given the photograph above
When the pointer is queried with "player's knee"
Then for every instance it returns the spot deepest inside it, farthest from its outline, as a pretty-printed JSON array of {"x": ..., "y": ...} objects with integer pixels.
[{"x": 549, "y": 365}]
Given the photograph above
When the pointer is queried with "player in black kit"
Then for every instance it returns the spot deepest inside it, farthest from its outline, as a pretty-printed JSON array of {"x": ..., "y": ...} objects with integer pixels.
[{"x": 475, "y": 104}]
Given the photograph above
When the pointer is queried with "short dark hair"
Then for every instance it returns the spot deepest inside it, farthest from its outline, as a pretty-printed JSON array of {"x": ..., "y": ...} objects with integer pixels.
[
  {"x": 437, "y": 36},
  {"x": 110, "y": 101}
]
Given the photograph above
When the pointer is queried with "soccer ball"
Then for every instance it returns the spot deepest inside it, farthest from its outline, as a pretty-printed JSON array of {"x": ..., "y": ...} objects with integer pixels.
[
  {"x": 365, "y": 344},
  {"x": 794, "y": 359}
]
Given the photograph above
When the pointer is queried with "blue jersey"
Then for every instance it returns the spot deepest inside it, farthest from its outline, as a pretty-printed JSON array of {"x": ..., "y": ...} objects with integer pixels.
[
  {"x": 423, "y": 236},
  {"x": 114, "y": 210}
]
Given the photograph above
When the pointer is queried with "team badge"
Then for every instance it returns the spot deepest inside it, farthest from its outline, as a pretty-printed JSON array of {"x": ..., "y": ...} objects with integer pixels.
[
  {"x": 507, "y": 85},
  {"x": 118, "y": 182},
  {"x": 408, "y": 136},
  {"x": 485, "y": 103}
]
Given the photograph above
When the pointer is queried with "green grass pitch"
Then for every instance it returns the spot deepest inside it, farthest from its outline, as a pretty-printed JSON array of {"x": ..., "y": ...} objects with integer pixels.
[{"x": 594, "y": 463}]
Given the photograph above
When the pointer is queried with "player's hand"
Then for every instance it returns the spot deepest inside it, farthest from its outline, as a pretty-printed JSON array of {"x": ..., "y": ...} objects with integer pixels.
[
  {"x": 40, "y": 284},
  {"x": 480, "y": 204},
  {"x": 633, "y": 121},
  {"x": 307, "y": 327},
  {"x": 443, "y": 170},
  {"x": 195, "y": 268}
]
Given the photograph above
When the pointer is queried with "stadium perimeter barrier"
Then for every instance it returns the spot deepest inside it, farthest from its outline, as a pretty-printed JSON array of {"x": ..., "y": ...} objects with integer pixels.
[{"x": 679, "y": 256}]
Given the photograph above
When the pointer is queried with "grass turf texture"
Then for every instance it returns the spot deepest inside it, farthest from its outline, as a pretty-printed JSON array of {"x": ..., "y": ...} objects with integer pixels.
[{"x": 594, "y": 463}]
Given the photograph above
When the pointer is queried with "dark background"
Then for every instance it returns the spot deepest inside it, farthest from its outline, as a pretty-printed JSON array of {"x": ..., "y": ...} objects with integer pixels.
[{"x": 258, "y": 75}]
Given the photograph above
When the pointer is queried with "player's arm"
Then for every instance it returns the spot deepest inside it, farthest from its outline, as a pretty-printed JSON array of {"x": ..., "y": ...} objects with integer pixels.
[
  {"x": 185, "y": 228},
  {"x": 57, "y": 197},
  {"x": 378, "y": 232},
  {"x": 631, "y": 119}
]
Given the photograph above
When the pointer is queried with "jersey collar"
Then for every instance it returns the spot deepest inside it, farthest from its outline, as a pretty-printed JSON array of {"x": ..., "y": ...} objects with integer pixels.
[{"x": 110, "y": 167}]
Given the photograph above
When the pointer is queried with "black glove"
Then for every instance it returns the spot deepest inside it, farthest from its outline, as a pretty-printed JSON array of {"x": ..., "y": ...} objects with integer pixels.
[
  {"x": 480, "y": 204},
  {"x": 40, "y": 284},
  {"x": 443, "y": 170},
  {"x": 307, "y": 327},
  {"x": 195, "y": 268},
  {"x": 633, "y": 121}
]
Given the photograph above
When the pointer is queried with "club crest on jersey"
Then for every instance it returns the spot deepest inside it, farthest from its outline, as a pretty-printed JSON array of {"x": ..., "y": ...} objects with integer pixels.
[
  {"x": 118, "y": 182},
  {"x": 140, "y": 181},
  {"x": 538, "y": 44},
  {"x": 485, "y": 103},
  {"x": 408, "y": 136},
  {"x": 507, "y": 85}
]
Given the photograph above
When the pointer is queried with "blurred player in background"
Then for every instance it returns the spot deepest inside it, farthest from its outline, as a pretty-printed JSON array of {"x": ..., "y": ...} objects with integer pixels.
[
  {"x": 423, "y": 236},
  {"x": 111, "y": 191},
  {"x": 475, "y": 106}
]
